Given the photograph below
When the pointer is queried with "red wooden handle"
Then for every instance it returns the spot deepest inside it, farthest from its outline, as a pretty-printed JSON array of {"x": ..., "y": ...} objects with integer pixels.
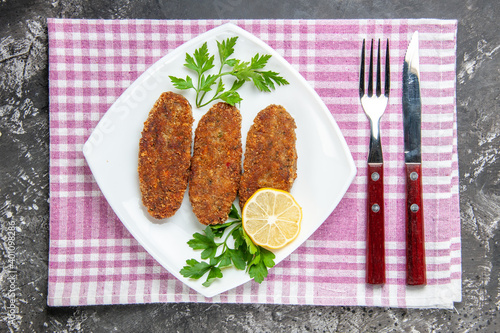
[
  {"x": 415, "y": 249},
  {"x": 375, "y": 245}
]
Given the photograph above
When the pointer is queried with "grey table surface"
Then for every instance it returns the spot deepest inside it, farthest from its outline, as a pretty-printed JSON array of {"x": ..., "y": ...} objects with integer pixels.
[{"x": 24, "y": 176}]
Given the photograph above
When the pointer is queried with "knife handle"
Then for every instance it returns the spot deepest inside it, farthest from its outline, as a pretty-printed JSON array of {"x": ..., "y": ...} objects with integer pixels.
[
  {"x": 415, "y": 236},
  {"x": 375, "y": 245}
]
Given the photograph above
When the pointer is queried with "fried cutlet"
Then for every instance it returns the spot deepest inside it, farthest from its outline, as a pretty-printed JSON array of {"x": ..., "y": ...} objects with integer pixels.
[
  {"x": 165, "y": 154},
  {"x": 270, "y": 153},
  {"x": 216, "y": 164}
]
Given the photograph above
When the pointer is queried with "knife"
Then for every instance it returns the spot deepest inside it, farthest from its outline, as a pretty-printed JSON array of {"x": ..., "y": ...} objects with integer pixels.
[{"x": 412, "y": 113}]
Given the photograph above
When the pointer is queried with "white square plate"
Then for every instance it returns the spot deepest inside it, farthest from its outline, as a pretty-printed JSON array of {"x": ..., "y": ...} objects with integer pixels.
[{"x": 325, "y": 166}]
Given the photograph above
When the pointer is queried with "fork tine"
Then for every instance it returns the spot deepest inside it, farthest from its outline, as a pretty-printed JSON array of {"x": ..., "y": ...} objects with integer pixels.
[
  {"x": 379, "y": 78},
  {"x": 387, "y": 87},
  {"x": 362, "y": 72},
  {"x": 370, "y": 74}
]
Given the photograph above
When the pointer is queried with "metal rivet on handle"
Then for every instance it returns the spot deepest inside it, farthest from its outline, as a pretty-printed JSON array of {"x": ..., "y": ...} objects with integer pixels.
[
  {"x": 375, "y": 208},
  {"x": 413, "y": 175},
  {"x": 375, "y": 176},
  {"x": 414, "y": 208}
]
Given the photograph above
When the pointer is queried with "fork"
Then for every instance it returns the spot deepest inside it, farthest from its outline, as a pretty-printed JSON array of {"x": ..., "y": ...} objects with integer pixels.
[{"x": 374, "y": 107}]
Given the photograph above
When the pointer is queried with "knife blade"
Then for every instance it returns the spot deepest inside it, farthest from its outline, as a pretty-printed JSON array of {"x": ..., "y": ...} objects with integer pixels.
[{"x": 412, "y": 118}]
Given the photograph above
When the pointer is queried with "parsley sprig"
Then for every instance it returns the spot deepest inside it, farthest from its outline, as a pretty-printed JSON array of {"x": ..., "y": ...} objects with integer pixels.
[
  {"x": 201, "y": 62},
  {"x": 218, "y": 254}
]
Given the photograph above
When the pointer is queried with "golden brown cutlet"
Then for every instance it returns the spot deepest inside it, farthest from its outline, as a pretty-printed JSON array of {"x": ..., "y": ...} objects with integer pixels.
[
  {"x": 270, "y": 153},
  {"x": 165, "y": 154},
  {"x": 216, "y": 164}
]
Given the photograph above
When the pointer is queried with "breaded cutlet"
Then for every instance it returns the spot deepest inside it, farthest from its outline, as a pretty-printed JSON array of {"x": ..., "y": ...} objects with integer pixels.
[
  {"x": 270, "y": 153},
  {"x": 216, "y": 164},
  {"x": 165, "y": 155}
]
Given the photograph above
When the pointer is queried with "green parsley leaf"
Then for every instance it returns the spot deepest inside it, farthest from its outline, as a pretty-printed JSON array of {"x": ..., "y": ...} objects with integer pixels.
[
  {"x": 191, "y": 64},
  {"x": 267, "y": 257},
  {"x": 209, "y": 252},
  {"x": 237, "y": 85},
  {"x": 258, "y": 271},
  {"x": 258, "y": 267},
  {"x": 255, "y": 260},
  {"x": 219, "y": 229},
  {"x": 195, "y": 269},
  {"x": 244, "y": 255},
  {"x": 259, "y": 62},
  {"x": 239, "y": 240},
  {"x": 242, "y": 71},
  {"x": 202, "y": 60},
  {"x": 273, "y": 76},
  {"x": 231, "y": 97},
  {"x": 231, "y": 62},
  {"x": 209, "y": 233},
  {"x": 225, "y": 259},
  {"x": 234, "y": 214},
  {"x": 200, "y": 242},
  {"x": 206, "y": 83},
  {"x": 182, "y": 84},
  {"x": 214, "y": 273},
  {"x": 226, "y": 48},
  {"x": 237, "y": 257},
  {"x": 252, "y": 248},
  {"x": 260, "y": 83}
]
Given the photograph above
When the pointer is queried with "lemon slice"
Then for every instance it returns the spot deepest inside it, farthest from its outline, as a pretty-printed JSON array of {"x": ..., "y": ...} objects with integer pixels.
[{"x": 271, "y": 218}]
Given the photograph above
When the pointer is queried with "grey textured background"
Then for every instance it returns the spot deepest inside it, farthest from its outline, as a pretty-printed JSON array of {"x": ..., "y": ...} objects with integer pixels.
[{"x": 24, "y": 159}]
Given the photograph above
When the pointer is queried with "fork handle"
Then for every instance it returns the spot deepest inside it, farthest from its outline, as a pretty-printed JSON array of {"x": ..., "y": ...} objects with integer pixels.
[
  {"x": 415, "y": 249},
  {"x": 375, "y": 245}
]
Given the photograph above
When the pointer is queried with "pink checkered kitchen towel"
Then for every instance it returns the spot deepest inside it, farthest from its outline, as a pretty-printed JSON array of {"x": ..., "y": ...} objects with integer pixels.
[{"x": 94, "y": 260}]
